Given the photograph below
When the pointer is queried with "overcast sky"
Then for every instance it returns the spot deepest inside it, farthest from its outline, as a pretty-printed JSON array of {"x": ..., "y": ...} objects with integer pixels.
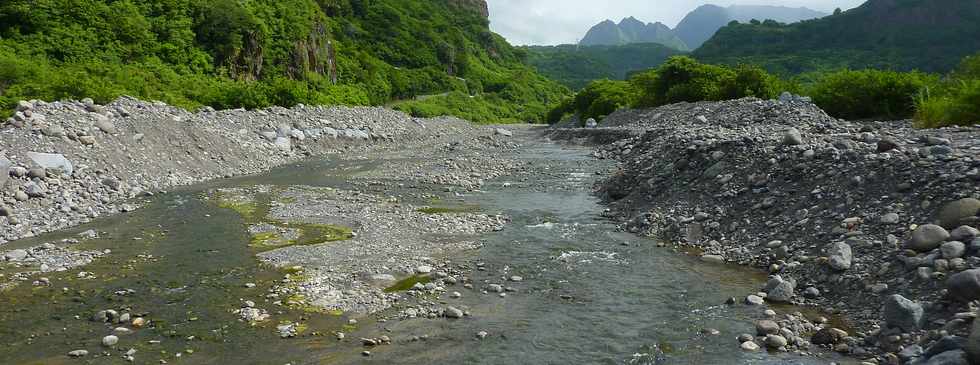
[{"x": 548, "y": 22}]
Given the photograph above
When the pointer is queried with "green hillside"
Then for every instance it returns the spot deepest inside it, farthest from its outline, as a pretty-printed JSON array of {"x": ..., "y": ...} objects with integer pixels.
[
  {"x": 928, "y": 35},
  {"x": 576, "y": 66},
  {"x": 255, "y": 53}
]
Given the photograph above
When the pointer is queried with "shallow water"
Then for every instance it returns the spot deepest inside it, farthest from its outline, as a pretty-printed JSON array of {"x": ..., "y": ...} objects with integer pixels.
[{"x": 589, "y": 295}]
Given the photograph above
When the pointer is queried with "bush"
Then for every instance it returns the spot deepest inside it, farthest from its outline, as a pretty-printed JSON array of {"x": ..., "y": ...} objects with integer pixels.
[
  {"x": 954, "y": 102},
  {"x": 869, "y": 93}
]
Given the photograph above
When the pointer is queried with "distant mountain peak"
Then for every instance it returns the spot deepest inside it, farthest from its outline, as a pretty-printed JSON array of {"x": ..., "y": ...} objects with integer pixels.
[{"x": 631, "y": 30}]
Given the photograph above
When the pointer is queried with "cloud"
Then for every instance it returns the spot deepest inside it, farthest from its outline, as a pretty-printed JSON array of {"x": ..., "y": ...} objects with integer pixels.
[{"x": 566, "y": 21}]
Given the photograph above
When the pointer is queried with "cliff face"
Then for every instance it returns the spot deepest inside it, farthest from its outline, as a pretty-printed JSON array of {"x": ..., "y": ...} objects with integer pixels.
[{"x": 480, "y": 6}]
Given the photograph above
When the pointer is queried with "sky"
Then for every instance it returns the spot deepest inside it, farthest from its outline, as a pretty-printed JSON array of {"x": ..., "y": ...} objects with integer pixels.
[{"x": 548, "y": 22}]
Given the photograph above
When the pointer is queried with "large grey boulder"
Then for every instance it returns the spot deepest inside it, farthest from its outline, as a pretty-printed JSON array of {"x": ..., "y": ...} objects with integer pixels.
[
  {"x": 52, "y": 161},
  {"x": 953, "y": 212},
  {"x": 792, "y": 137},
  {"x": 973, "y": 343},
  {"x": 105, "y": 125},
  {"x": 964, "y": 234},
  {"x": 902, "y": 313},
  {"x": 503, "y": 132},
  {"x": 952, "y": 357},
  {"x": 779, "y": 290},
  {"x": 927, "y": 237},
  {"x": 284, "y": 144},
  {"x": 965, "y": 285},
  {"x": 5, "y": 165},
  {"x": 840, "y": 256}
]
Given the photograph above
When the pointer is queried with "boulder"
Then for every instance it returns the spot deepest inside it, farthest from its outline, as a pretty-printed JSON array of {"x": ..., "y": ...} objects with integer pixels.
[
  {"x": 766, "y": 327},
  {"x": 283, "y": 144},
  {"x": 952, "y": 213},
  {"x": 886, "y": 144},
  {"x": 52, "y": 161},
  {"x": 828, "y": 336},
  {"x": 927, "y": 237},
  {"x": 973, "y": 343},
  {"x": 953, "y": 357},
  {"x": 5, "y": 165},
  {"x": 105, "y": 125},
  {"x": 840, "y": 256},
  {"x": 964, "y": 234},
  {"x": 792, "y": 137},
  {"x": 15, "y": 255},
  {"x": 952, "y": 249},
  {"x": 779, "y": 290},
  {"x": 503, "y": 132},
  {"x": 965, "y": 285},
  {"x": 902, "y": 313}
]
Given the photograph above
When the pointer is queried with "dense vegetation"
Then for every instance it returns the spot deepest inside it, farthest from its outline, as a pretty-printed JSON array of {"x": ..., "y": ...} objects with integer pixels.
[
  {"x": 576, "y": 66},
  {"x": 926, "y": 35},
  {"x": 256, "y": 53},
  {"x": 851, "y": 94}
]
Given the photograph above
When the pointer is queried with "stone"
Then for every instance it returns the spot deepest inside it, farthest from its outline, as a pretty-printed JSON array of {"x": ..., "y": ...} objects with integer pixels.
[
  {"x": 86, "y": 140},
  {"x": 973, "y": 343},
  {"x": 283, "y": 144},
  {"x": 6, "y": 211},
  {"x": 927, "y": 237},
  {"x": 886, "y": 144},
  {"x": 947, "y": 343},
  {"x": 5, "y": 165},
  {"x": 78, "y": 353},
  {"x": 840, "y": 256},
  {"x": 110, "y": 340},
  {"x": 52, "y": 161},
  {"x": 591, "y": 123},
  {"x": 964, "y": 286},
  {"x": 750, "y": 346},
  {"x": 24, "y": 105},
  {"x": 902, "y": 313},
  {"x": 424, "y": 269},
  {"x": 714, "y": 259},
  {"x": 34, "y": 190},
  {"x": 766, "y": 327},
  {"x": 779, "y": 290},
  {"x": 890, "y": 218},
  {"x": 776, "y": 341},
  {"x": 15, "y": 255},
  {"x": 952, "y": 249},
  {"x": 811, "y": 293},
  {"x": 452, "y": 312},
  {"x": 754, "y": 300},
  {"x": 105, "y": 125},
  {"x": 503, "y": 132},
  {"x": 792, "y": 137},
  {"x": 828, "y": 336},
  {"x": 964, "y": 234},
  {"x": 37, "y": 173},
  {"x": 54, "y": 131},
  {"x": 953, "y": 357},
  {"x": 952, "y": 213}
]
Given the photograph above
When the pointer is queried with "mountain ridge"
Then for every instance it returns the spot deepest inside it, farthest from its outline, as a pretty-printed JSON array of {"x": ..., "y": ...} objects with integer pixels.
[{"x": 630, "y": 31}]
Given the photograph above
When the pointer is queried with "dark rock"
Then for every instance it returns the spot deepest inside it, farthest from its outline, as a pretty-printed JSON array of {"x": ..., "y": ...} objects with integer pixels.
[
  {"x": 828, "y": 336},
  {"x": 902, "y": 313},
  {"x": 953, "y": 212},
  {"x": 964, "y": 286}
]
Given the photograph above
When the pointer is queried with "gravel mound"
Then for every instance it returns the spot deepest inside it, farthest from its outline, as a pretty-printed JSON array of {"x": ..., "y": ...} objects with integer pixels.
[
  {"x": 65, "y": 163},
  {"x": 843, "y": 210}
]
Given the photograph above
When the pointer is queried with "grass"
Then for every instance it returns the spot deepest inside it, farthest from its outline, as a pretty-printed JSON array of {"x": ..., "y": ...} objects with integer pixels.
[{"x": 408, "y": 283}]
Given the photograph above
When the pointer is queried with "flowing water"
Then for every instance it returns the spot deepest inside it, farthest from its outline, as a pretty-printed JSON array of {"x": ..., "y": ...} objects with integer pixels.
[{"x": 590, "y": 295}]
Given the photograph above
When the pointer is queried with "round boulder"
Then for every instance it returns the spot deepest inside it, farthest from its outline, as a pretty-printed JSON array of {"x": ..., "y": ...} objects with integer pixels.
[
  {"x": 965, "y": 285},
  {"x": 953, "y": 212},
  {"x": 927, "y": 237},
  {"x": 902, "y": 313}
]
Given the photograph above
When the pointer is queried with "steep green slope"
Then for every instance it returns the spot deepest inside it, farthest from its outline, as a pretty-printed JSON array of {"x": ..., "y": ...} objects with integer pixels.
[
  {"x": 929, "y": 35},
  {"x": 702, "y": 23},
  {"x": 576, "y": 66},
  {"x": 255, "y": 53}
]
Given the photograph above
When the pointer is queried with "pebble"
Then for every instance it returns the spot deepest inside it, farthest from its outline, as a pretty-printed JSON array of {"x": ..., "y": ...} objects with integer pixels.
[{"x": 110, "y": 340}]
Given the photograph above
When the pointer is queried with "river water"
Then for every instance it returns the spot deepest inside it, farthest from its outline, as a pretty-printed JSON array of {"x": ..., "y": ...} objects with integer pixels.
[{"x": 590, "y": 295}]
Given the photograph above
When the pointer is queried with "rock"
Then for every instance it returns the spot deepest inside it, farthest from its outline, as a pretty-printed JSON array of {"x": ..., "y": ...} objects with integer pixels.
[
  {"x": 452, "y": 312},
  {"x": 766, "y": 327},
  {"x": 37, "y": 173},
  {"x": 482, "y": 334},
  {"x": 951, "y": 214},
  {"x": 110, "y": 340},
  {"x": 78, "y": 353},
  {"x": 503, "y": 132},
  {"x": 954, "y": 357},
  {"x": 973, "y": 343},
  {"x": 424, "y": 269},
  {"x": 964, "y": 286},
  {"x": 283, "y": 144},
  {"x": 5, "y": 165},
  {"x": 840, "y": 256},
  {"x": 779, "y": 290},
  {"x": 591, "y": 123},
  {"x": 792, "y": 137},
  {"x": 776, "y": 341},
  {"x": 52, "y": 161},
  {"x": 902, "y": 313},
  {"x": 952, "y": 249},
  {"x": 750, "y": 346},
  {"x": 828, "y": 336},
  {"x": 714, "y": 259},
  {"x": 927, "y": 237},
  {"x": 890, "y": 218},
  {"x": 86, "y": 140},
  {"x": 754, "y": 300},
  {"x": 15, "y": 255},
  {"x": 946, "y": 343},
  {"x": 964, "y": 234},
  {"x": 54, "y": 131},
  {"x": 21, "y": 196},
  {"x": 6, "y": 211},
  {"x": 811, "y": 293},
  {"x": 34, "y": 190},
  {"x": 886, "y": 144},
  {"x": 105, "y": 125},
  {"x": 24, "y": 105}
]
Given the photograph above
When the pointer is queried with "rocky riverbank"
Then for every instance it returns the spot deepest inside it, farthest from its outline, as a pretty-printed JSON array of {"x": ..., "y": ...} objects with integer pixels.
[{"x": 874, "y": 221}]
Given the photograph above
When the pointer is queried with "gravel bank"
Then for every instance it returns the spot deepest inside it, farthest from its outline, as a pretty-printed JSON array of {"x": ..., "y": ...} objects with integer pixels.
[{"x": 876, "y": 221}]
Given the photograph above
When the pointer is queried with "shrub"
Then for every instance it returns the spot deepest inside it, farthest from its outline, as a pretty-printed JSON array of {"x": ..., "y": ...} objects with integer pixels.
[{"x": 869, "y": 93}]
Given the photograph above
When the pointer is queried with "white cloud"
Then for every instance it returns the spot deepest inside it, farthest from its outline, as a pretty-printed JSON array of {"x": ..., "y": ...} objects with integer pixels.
[{"x": 565, "y": 21}]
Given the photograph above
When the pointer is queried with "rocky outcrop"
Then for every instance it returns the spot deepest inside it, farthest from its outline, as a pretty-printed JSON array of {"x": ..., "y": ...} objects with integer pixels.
[{"x": 479, "y": 6}]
